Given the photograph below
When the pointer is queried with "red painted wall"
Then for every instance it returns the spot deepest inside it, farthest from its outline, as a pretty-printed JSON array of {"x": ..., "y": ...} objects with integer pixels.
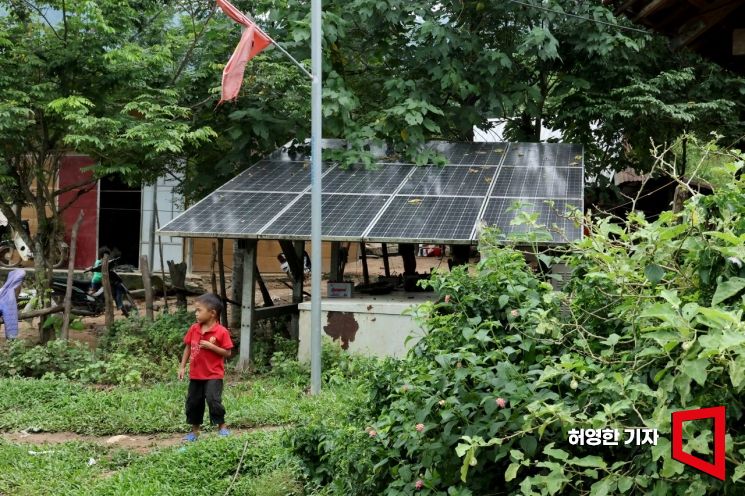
[{"x": 71, "y": 174}]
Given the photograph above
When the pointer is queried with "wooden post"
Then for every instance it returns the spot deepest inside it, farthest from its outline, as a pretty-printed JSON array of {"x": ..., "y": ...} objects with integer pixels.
[
  {"x": 248, "y": 305},
  {"x": 365, "y": 271},
  {"x": 334, "y": 268},
  {"x": 212, "y": 268},
  {"x": 177, "y": 272},
  {"x": 108, "y": 299},
  {"x": 297, "y": 291},
  {"x": 162, "y": 262},
  {"x": 223, "y": 291},
  {"x": 386, "y": 265},
  {"x": 65, "y": 332},
  {"x": 263, "y": 289},
  {"x": 237, "y": 284},
  {"x": 148, "y": 285}
]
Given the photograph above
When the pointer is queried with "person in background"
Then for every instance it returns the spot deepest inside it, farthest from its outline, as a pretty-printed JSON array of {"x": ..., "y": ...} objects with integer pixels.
[
  {"x": 97, "y": 279},
  {"x": 9, "y": 302}
]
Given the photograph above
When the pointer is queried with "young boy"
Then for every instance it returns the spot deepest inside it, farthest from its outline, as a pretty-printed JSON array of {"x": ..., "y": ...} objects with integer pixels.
[{"x": 207, "y": 344}]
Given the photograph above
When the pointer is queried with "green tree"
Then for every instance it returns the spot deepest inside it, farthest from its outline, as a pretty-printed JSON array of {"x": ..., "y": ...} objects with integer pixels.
[
  {"x": 407, "y": 71},
  {"x": 88, "y": 77}
]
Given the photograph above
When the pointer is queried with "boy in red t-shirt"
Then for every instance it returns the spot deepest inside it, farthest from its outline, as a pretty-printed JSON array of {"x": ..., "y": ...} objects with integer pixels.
[{"x": 208, "y": 344}]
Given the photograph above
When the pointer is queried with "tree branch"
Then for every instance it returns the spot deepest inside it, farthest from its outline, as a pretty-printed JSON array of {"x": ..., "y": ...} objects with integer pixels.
[
  {"x": 81, "y": 184},
  {"x": 38, "y": 10},
  {"x": 78, "y": 194},
  {"x": 191, "y": 48}
]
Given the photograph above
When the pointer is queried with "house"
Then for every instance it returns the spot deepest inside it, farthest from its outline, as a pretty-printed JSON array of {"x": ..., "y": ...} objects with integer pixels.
[{"x": 120, "y": 216}]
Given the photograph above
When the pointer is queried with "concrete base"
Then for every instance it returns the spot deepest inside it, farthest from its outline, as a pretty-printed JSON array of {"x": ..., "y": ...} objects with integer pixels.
[{"x": 372, "y": 326}]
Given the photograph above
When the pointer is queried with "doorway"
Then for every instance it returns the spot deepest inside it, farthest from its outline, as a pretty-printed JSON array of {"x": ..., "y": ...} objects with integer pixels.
[{"x": 119, "y": 219}]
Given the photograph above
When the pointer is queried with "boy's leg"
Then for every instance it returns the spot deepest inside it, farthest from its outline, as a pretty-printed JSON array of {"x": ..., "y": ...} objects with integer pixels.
[
  {"x": 213, "y": 392},
  {"x": 195, "y": 404}
]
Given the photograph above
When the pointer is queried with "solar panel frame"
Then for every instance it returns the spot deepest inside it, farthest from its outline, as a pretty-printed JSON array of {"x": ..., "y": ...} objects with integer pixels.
[
  {"x": 499, "y": 213},
  {"x": 204, "y": 216},
  {"x": 478, "y": 178},
  {"x": 268, "y": 176},
  {"x": 428, "y": 219},
  {"x": 544, "y": 155},
  {"x": 450, "y": 181},
  {"x": 359, "y": 180},
  {"x": 468, "y": 154},
  {"x": 538, "y": 182},
  {"x": 295, "y": 223}
]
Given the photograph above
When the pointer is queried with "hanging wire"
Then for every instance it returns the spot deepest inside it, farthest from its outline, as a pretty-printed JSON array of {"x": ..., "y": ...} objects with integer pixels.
[{"x": 586, "y": 19}]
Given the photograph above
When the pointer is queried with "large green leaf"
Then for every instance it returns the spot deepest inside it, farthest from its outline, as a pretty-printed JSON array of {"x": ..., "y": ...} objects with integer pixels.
[{"x": 727, "y": 289}]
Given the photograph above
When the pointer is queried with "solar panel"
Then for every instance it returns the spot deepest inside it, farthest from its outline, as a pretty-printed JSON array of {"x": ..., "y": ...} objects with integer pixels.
[
  {"x": 544, "y": 155},
  {"x": 427, "y": 219},
  {"x": 226, "y": 213},
  {"x": 538, "y": 182},
  {"x": 343, "y": 216},
  {"x": 552, "y": 214},
  {"x": 471, "y": 153},
  {"x": 269, "y": 175},
  {"x": 396, "y": 202},
  {"x": 382, "y": 180},
  {"x": 449, "y": 180}
]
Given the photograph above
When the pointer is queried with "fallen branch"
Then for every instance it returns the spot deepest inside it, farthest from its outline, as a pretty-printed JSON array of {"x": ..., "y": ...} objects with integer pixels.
[{"x": 38, "y": 313}]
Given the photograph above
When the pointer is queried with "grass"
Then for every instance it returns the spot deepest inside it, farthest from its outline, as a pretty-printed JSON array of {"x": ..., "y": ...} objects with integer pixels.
[
  {"x": 203, "y": 468},
  {"x": 63, "y": 406},
  {"x": 206, "y": 467}
]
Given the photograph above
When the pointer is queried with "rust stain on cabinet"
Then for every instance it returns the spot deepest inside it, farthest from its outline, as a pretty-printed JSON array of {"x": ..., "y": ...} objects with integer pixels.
[{"x": 342, "y": 326}]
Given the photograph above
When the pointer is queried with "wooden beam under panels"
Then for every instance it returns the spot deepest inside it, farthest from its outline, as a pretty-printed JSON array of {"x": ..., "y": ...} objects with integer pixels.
[
  {"x": 651, "y": 8},
  {"x": 702, "y": 23},
  {"x": 738, "y": 42}
]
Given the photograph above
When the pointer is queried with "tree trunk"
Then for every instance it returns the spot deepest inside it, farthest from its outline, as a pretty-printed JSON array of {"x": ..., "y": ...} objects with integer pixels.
[
  {"x": 178, "y": 281},
  {"x": 148, "y": 285},
  {"x": 680, "y": 196},
  {"x": 65, "y": 333},
  {"x": 108, "y": 299},
  {"x": 43, "y": 280}
]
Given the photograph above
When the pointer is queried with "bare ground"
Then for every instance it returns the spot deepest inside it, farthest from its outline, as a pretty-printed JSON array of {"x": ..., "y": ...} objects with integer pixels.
[{"x": 134, "y": 442}]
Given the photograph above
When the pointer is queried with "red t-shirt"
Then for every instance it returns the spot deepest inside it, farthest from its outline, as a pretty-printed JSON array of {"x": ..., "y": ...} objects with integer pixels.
[{"x": 204, "y": 363}]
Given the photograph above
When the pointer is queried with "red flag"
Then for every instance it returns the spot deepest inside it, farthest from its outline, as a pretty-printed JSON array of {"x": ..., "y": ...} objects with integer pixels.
[{"x": 253, "y": 41}]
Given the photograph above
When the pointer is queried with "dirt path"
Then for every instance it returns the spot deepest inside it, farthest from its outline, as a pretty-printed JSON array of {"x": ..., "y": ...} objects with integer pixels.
[{"x": 135, "y": 442}]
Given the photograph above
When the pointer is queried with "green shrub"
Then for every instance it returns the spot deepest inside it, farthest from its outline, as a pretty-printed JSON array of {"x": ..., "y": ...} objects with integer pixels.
[
  {"x": 161, "y": 339},
  {"x": 651, "y": 323},
  {"x": 59, "y": 357}
]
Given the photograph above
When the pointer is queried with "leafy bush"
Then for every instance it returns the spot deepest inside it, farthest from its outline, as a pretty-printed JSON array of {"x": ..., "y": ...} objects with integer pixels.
[
  {"x": 650, "y": 323},
  {"x": 132, "y": 352},
  {"x": 21, "y": 359},
  {"x": 160, "y": 339}
]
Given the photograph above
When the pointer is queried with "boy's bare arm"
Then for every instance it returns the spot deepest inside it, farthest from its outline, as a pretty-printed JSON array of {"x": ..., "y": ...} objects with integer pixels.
[
  {"x": 213, "y": 347},
  {"x": 184, "y": 359}
]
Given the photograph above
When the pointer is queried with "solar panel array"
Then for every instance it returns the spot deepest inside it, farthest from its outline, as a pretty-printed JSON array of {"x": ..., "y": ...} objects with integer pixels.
[{"x": 520, "y": 188}]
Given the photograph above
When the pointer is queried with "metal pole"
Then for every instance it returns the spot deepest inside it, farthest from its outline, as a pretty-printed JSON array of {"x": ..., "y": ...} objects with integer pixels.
[
  {"x": 315, "y": 240},
  {"x": 151, "y": 245}
]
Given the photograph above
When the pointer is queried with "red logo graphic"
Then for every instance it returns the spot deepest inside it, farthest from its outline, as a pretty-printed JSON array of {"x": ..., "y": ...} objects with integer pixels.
[{"x": 716, "y": 469}]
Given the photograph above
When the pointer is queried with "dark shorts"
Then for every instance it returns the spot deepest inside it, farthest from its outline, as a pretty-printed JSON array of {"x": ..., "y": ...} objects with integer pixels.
[{"x": 207, "y": 391}]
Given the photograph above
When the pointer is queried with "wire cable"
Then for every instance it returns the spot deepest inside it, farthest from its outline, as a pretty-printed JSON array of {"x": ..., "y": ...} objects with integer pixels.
[{"x": 587, "y": 19}]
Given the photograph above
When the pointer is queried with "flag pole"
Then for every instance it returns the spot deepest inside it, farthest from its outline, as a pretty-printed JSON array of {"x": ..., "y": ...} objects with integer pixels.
[
  {"x": 302, "y": 68},
  {"x": 281, "y": 49},
  {"x": 315, "y": 216}
]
